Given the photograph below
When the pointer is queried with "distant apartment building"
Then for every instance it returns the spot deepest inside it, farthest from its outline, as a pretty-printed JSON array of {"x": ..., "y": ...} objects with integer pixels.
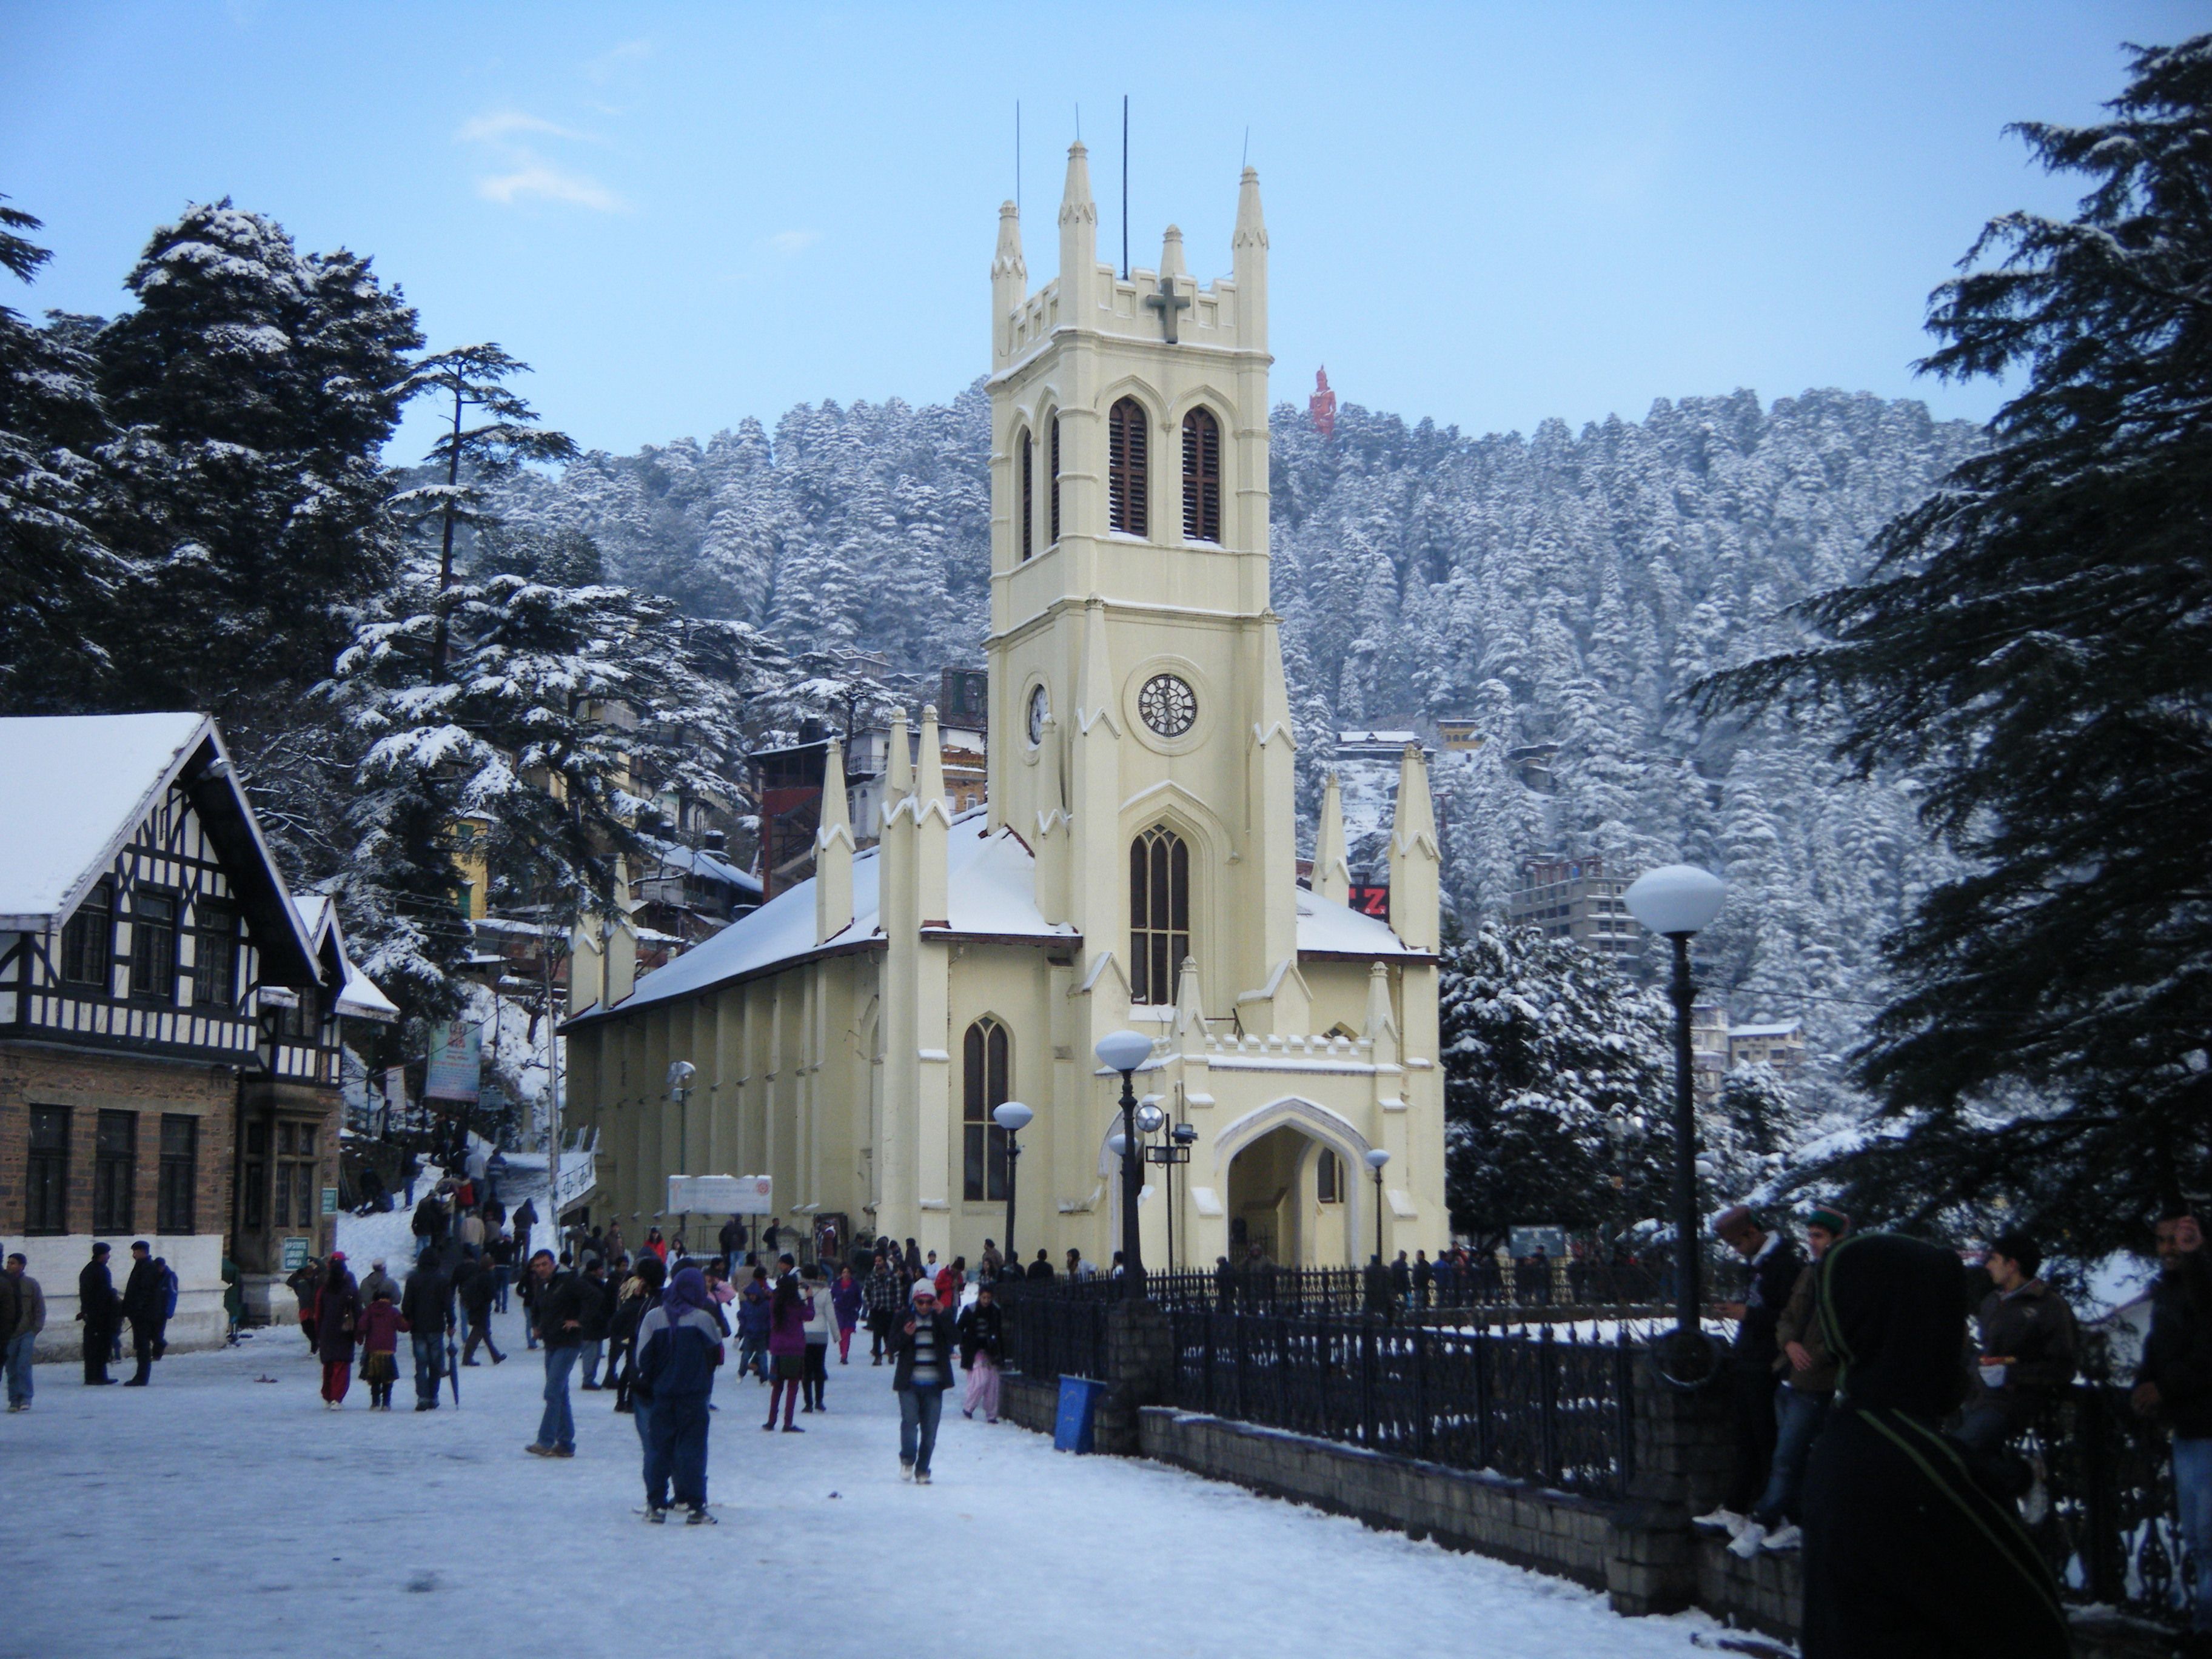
[
  {"x": 1779, "y": 1043},
  {"x": 1576, "y": 899}
]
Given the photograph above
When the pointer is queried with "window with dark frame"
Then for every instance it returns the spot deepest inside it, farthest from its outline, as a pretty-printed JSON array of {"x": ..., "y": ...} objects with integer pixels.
[
  {"x": 215, "y": 955},
  {"x": 1055, "y": 481},
  {"x": 152, "y": 946},
  {"x": 254, "y": 1197},
  {"x": 1201, "y": 476},
  {"x": 1029, "y": 496},
  {"x": 114, "y": 1171},
  {"x": 181, "y": 1166},
  {"x": 1159, "y": 914},
  {"x": 986, "y": 1082},
  {"x": 88, "y": 938},
  {"x": 302, "y": 1022},
  {"x": 45, "y": 1185},
  {"x": 1329, "y": 1182},
  {"x": 295, "y": 1174},
  {"x": 1126, "y": 474}
]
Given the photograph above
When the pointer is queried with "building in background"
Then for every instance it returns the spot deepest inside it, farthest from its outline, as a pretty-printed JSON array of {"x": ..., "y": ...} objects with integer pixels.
[
  {"x": 1779, "y": 1043},
  {"x": 1574, "y": 898},
  {"x": 170, "y": 1019}
]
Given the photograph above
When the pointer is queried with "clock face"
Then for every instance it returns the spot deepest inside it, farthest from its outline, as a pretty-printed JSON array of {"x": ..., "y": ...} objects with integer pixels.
[
  {"x": 1167, "y": 704},
  {"x": 1038, "y": 706}
]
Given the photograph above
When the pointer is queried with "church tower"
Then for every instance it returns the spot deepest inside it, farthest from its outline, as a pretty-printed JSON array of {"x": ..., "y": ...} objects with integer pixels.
[{"x": 1140, "y": 733}]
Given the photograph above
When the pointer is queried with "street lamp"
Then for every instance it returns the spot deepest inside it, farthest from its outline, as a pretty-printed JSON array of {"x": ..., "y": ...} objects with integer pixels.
[
  {"x": 1124, "y": 1052},
  {"x": 1013, "y": 1117},
  {"x": 1377, "y": 1158},
  {"x": 1680, "y": 901}
]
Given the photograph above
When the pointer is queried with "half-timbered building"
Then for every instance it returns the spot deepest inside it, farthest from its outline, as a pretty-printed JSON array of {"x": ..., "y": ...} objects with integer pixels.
[{"x": 169, "y": 1018}]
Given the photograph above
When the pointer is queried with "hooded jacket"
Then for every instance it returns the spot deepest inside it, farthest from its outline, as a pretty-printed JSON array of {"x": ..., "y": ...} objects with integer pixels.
[{"x": 1907, "y": 1555}]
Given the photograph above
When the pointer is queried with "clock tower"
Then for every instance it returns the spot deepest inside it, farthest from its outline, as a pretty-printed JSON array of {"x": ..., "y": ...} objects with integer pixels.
[{"x": 1140, "y": 733}]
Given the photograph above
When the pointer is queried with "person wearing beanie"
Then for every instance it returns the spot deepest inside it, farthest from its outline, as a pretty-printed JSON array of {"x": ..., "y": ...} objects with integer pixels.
[
  {"x": 922, "y": 1350},
  {"x": 2025, "y": 1346},
  {"x": 1807, "y": 1386}
]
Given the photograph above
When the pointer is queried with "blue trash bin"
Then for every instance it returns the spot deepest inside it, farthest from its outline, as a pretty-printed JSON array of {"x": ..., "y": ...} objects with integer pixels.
[{"x": 1075, "y": 1427}]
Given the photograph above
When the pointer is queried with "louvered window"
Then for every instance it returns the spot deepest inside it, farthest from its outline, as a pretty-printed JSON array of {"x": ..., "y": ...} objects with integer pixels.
[
  {"x": 1126, "y": 475},
  {"x": 1159, "y": 914},
  {"x": 1029, "y": 496},
  {"x": 1055, "y": 480},
  {"x": 1201, "y": 476}
]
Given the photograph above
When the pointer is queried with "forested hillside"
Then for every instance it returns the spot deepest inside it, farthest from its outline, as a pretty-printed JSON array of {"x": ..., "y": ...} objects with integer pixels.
[{"x": 1562, "y": 586}]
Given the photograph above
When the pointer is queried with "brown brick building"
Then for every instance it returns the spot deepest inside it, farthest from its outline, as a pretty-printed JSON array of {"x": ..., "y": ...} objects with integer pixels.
[{"x": 169, "y": 1019}]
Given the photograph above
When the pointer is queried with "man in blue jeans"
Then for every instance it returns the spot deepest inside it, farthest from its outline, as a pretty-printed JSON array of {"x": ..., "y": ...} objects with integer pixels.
[
  {"x": 922, "y": 1350},
  {"x": 556, "y": 1308},
  {"x": 22, "y": 1316},
  {"x": 426, "y": 1303},
  {"x": 2174, "y": 1385}
]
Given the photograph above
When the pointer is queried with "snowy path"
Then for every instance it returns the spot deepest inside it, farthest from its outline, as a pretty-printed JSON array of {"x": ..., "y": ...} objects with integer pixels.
[{"x": 214, "y": 1514}]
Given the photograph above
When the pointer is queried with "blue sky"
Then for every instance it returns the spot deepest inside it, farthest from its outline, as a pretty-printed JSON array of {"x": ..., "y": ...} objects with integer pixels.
[{"x": 685, "y": 214}]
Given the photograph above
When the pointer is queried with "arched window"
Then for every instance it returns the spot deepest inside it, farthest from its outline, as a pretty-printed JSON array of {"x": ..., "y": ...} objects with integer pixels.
[
  {"x": 1329, "y": 1181},
  {"x": 1029, "y": 496},
  {"x": 1126, "y": 478},
  {"x": 987, "y": 1068},
  {"x": 1201, "y": 476},
  {"x": 1159, "y": 914},
  {"x": 1054, "y": 537}
]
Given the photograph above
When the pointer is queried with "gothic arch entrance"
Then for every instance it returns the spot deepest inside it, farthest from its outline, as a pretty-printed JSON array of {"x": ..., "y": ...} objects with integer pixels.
[{"x": 1290, "y": 1188}]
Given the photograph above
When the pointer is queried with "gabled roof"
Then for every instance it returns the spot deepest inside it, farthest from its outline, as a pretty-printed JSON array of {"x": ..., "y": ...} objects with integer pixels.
[
  {"x": 991, "y": 893},
  {"x": 358, "y": 997},
  {"x": 75, "y": 788}
]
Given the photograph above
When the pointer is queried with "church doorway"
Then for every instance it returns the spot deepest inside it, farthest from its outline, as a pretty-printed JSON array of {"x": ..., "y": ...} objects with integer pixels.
[{"x": 1286, "y": 1194}]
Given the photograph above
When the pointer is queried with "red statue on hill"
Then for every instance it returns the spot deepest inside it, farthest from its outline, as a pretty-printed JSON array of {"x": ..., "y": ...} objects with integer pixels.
[{"x": 1322, "y": 406}]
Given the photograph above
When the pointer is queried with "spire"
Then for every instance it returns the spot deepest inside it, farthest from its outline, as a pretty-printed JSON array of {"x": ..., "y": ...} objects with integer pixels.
[
  {"x": 1249, "y": 250},
  {"x": 1010, "y": 278},
  {"x": 1171, "y": 263},
  {"x": 933, "y": 816},
  {"x": 898, "y": 783},
  {"x": 1078, "y": 235},
  {"x": 1332, "y": 869},
  {"x": 1415, "y": 892},
  {"x": 833, "y": 852}
]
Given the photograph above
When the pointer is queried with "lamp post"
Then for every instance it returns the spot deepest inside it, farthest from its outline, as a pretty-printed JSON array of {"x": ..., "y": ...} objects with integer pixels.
[
  {"x": 1680, "y": 901},
  {"x": 1124, "y": 1052},
  {"x": 1378, "y": 1286},
  {"x": 1013, "y": 1117}
]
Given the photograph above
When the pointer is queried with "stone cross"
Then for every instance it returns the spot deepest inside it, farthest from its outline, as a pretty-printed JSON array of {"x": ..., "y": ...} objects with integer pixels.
[{"x": 1168, "y": 303}]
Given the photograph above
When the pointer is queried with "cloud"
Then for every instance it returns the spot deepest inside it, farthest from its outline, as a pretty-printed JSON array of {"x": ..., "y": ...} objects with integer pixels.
[
  {"x": 545, "y": 183},
  {"x": 788, "y": 242},
  {"x": 615, "y": 59},
  {"x": 524, "y": 174},
  {"x": 503, "y": 125}
]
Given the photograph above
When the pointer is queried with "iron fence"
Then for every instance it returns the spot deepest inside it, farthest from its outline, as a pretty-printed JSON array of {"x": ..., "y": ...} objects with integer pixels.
[
  {"x": 1542, "y": 1407},
  {"x": 1049, "y": 1336},
  {"x": 2111, "y": 1529}
]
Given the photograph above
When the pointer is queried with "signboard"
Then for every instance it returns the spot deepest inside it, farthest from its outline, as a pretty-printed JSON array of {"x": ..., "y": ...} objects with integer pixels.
[
  {"x": 1371, "y": 899},
  {"x": 329, "y": 1200},
  {"x": 295, "y": 1254},
  {"x": 1524, "y": 1242},
  {"x": 455, "y": 1068},
  {"x": 720, "y": 1195}
]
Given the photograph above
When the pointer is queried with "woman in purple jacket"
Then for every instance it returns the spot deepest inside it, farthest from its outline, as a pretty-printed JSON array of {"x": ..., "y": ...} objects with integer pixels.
[{"x": 787, "y": 1347}]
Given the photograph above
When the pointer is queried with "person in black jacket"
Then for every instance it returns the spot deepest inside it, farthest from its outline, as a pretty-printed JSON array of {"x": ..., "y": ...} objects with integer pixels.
[
  {"x": 426, "y": 1303},
  {"x": 922, "y": 1350},
  {"x": 1775, "y": 1264},
  {"x": 732, "y": 1238},
  {"x": 101, "y": 1310},
  {"x": 475, "y": 1287},
  {"x": 595, "y": 1297},
  {"x": 641, "y": 1294},
  {"x": 2174, "y": 1386},
  {"x": 143, "y": 1300},
  {"x": 983, "y": 1342},
  {"x": 1907, "y": 1555},
  {"x": 557, "y": 1307}
]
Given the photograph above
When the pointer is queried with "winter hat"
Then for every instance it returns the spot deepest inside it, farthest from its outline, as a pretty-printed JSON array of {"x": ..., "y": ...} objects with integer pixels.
[
  {"x": 1830, "y": 1219},
  {"x": 337, "y": 1256},
  {"x": 1736, "y": 1219},
  {"x": 925, "y": 1287}
]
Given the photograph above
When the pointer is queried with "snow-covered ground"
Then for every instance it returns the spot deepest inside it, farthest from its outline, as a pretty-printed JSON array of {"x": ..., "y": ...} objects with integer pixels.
[{"x": 219, "y": 1514}]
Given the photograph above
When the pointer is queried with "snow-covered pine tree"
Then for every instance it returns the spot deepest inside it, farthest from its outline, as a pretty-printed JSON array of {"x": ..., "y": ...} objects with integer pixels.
[
  {"x": 2035, "y": 642},
  {"x": 57, "y": 575},
  {"x": 1555, "y": 1086}
]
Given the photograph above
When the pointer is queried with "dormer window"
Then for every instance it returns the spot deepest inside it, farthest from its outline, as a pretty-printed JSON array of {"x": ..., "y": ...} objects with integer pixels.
[
  {"x": 152, "y": 946},
  {"x": 1126, "y": 471},
  {"x": 1201, "y": 476}
]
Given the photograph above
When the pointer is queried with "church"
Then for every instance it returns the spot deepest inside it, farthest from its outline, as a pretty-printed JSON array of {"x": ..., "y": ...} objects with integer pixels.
[{"x": 1134, "y": 867}]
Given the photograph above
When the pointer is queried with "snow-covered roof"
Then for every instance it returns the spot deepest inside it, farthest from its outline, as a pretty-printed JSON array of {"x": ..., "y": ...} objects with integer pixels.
[
  {"x": 75, "y": 788},
  {"x": 1400, "y": 738},
  {"x": 358, "y": 995},
  {"x": 1776, "y": 1029},
  {"x": 674, "y": 855},
  {"x": 991, "y": 893}
]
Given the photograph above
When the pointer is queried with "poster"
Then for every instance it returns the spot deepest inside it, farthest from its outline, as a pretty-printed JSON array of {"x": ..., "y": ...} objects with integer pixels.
[
  {"x": 295, "y": 1254},
  {"x": 456, "y": 1063}
]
